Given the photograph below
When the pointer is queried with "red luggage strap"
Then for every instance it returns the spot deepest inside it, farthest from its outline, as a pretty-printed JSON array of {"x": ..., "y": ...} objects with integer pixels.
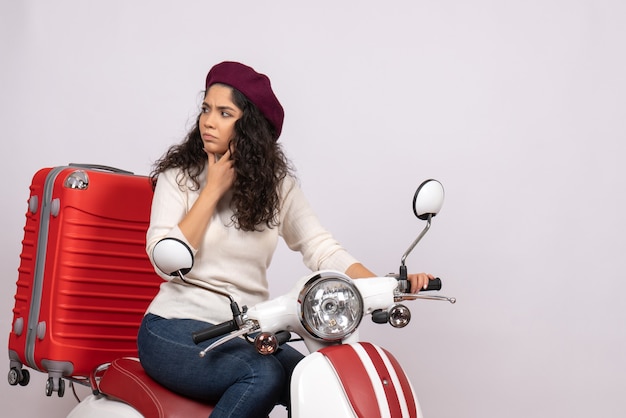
[{"x": 125, "y": 380}]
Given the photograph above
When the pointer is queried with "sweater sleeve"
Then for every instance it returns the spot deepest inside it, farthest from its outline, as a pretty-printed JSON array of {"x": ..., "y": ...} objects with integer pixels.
[
  {"x": 169, "y": 206},
  {"x": 303, "y": 232}
]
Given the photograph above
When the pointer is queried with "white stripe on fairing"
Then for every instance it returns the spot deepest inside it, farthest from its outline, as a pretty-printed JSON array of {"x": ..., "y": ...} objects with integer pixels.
[
  {"x": 383, "y": 405},
  {"x": 395, "y": 380}
]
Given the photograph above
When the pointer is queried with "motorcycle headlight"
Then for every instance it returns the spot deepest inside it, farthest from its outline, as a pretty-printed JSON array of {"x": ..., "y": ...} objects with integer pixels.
[{"x": 331, "y": 307}]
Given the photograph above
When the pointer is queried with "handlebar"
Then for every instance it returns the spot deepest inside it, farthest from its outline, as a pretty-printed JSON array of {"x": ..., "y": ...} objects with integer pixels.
[
  {"x": 232, "y": 325},
  {"x": 214, "y": 331}
]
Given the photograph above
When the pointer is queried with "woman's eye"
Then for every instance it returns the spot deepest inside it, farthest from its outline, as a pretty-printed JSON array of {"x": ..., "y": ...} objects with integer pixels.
[{"x": 226, "y": 114}]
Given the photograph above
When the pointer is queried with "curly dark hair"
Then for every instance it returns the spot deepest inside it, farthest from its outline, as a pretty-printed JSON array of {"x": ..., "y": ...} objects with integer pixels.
[{"x": 258, "y": 159}]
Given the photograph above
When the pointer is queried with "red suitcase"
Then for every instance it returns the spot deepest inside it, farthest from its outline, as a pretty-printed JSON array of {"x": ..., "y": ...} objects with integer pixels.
[{"x": 84, "y": 280}]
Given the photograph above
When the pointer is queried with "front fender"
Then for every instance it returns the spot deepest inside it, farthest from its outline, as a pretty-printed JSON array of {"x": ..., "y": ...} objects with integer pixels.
[{"x": 352, "y": 380}]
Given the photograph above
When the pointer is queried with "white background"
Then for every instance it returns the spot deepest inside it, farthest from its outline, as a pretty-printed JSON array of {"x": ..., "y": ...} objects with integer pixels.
[{"x": 518, "y": 108}]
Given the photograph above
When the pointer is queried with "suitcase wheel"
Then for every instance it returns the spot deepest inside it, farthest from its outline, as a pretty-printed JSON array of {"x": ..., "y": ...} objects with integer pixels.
[
  {"x": 51, "y": 387},
  {"x": 18, "y": 376}
]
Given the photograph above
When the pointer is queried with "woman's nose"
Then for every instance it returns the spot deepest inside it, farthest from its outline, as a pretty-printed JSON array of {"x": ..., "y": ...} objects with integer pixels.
[{"x": 209, "y": 120}]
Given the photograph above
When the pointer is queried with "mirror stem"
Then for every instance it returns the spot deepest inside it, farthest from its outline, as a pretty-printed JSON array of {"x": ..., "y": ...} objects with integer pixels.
[
  {"x": 403, "y": 282},
  {"x": 181, "y": 276},
  {"x": 418, "y": 239}
]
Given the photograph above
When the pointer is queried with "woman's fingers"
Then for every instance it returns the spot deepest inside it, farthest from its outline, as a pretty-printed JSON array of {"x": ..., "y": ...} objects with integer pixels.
[{"x": 419, "y": 281}]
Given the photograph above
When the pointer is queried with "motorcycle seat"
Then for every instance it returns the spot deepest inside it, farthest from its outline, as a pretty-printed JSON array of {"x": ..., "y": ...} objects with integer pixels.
[{"x": 126, "y": 380}]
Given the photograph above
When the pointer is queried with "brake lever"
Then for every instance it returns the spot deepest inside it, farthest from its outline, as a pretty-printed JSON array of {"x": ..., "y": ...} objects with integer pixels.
[
  {"x": 248, "y": 327},
  {"x": 399, "y": 297}
]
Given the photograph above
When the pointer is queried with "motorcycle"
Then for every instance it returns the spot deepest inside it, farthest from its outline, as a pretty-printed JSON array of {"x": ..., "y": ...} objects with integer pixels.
[{"x": 340, "y": 377}]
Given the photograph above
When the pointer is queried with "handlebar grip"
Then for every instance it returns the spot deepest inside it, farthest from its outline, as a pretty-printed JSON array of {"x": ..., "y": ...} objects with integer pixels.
[
  {"x": 214, "y": 331},
  {"x": 434, "y": 284}
]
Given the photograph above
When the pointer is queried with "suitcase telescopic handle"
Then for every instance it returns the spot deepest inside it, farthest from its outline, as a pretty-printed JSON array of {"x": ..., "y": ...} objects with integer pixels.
[{"x": 101, "y": 167}]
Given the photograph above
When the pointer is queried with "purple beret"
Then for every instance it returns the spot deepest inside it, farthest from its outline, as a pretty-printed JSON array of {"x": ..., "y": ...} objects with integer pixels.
[{"x": 255, "y": 86}]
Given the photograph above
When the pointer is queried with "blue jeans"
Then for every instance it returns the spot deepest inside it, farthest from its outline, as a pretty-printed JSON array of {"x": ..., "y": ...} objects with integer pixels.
[{"x": 241, "y": 382}]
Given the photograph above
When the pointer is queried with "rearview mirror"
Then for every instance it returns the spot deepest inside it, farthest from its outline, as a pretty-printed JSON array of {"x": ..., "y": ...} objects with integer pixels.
[
  {"x": 427, "y": 203},
  {"x": 172, "y": 256},
  {"x": 428, "y": 199}
]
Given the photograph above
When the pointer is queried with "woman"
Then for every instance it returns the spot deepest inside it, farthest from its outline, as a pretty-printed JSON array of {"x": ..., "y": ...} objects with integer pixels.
[{"x": 228, "y": 191}]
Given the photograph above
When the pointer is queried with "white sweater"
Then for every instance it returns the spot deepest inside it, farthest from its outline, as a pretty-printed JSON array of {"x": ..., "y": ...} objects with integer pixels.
[{"x": 229, "y": 259}]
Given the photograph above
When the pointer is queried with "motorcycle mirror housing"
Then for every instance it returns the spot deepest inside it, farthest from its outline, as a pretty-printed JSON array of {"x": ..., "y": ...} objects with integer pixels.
[
  {"x": 172, "y": 256},
  {"x": 427, "y": 203},
  {"x": 428, "y": 199}
]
